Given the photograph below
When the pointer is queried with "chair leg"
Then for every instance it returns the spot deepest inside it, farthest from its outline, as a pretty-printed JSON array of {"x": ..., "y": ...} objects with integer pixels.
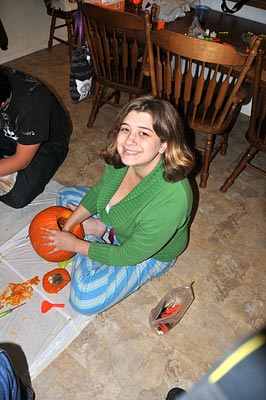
[
  {"x": 206, "y": 161},
  {"x": 52, "y": 29},
  {"x": 70, "y": 35},
  {"x": 250, "y": 153},
  {"x": 98, "y": 93},
  {"x": 224, "y": 144},
  {"x": 117, "y": 96}
]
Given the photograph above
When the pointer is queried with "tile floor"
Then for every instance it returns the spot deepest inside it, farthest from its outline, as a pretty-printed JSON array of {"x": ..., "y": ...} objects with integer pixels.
[{"x": 118, "y": 356}]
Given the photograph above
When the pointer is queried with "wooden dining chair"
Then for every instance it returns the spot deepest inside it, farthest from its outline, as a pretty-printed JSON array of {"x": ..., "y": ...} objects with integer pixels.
[
  {"x": 67, "y": 19},
  {"x": 116, "y": 42},
  {"x": 256, "y": 134},
  {"x": 199, "y": 78}
]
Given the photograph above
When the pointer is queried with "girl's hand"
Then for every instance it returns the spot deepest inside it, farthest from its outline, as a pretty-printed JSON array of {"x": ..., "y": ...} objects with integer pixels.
[
  {"x": 61, "y": 240},
  {"x": 64, "y": 240},
  {"x": 94, "y": 226}
]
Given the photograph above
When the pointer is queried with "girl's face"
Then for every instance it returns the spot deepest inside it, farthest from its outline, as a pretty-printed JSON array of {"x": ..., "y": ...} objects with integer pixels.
[{"x": 137, "y": 143}]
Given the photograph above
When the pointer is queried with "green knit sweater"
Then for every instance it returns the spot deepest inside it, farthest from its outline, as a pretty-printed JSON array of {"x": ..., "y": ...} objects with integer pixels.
[{"x": 151, "y": 221}]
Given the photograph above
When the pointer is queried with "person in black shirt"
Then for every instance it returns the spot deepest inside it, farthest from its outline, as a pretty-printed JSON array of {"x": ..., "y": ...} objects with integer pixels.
[{"x": 34, "y": 137}]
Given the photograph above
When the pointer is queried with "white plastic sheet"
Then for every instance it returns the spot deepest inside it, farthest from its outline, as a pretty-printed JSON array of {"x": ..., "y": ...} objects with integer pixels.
[{"x": 42, "y": 337}]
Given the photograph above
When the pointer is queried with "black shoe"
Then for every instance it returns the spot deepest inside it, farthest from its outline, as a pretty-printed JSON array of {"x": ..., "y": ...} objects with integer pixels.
[{"x": 174, "y": 393}]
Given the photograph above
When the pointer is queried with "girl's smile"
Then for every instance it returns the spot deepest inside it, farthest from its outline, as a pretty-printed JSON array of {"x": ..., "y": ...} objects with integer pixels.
[{"x": 138, "y": 144}]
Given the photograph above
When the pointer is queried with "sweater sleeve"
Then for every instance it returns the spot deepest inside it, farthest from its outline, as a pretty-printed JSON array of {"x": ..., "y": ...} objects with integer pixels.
[{"x": 155, "y": 227}]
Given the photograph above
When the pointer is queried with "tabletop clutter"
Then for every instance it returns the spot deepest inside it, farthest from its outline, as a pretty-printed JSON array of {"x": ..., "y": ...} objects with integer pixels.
[
  {"x": 170, "y": 10},
  {"x": 197, "y": 29}
]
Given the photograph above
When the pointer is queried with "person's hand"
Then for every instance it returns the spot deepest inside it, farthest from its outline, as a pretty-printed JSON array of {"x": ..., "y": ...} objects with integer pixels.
[
  {"x": 94, "y": 226},
  {"x": 61, "y": 240}
]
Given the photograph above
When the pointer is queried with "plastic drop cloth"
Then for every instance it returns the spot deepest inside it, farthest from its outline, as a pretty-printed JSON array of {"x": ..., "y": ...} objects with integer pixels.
[{"x": 42, "y": 337}]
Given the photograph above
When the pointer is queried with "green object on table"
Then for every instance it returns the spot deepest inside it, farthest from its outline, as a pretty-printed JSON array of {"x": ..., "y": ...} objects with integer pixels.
[
  {"x": 4, "y": 313},
  {"x": 63, "y": 264}
]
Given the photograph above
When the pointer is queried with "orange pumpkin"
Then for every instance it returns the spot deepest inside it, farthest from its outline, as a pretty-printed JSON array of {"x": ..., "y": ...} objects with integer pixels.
[{"x": 52, "y": 217}]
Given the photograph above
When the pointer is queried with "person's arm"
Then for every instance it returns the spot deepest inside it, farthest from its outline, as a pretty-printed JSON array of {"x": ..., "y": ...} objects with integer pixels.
[
  {"x": 64, "y": 239},
  {"x": 80, "y": 214},
  {"x": 151, "y": 234},
  {"x": 20, "y": 160}
]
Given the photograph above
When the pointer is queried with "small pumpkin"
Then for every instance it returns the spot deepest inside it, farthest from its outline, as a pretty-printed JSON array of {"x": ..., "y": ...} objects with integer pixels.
[
  {"x": 55, "y": 280},
  {"x": 52, "y": 217}
]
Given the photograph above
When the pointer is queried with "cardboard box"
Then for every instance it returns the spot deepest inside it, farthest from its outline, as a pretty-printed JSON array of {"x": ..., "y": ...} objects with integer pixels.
[{"x": 118, "y": 5}]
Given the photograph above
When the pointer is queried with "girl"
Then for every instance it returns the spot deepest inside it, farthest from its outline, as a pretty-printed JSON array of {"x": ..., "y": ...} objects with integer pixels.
[{"x": 136, "y": 217}]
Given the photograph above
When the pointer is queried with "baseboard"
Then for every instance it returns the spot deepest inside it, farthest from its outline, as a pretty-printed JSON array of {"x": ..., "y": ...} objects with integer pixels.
[{"x": 22, "y": 53}]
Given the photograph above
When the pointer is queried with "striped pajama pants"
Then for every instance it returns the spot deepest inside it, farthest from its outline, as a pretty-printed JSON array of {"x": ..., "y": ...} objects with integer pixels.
[{"x": 96, "y": 287}]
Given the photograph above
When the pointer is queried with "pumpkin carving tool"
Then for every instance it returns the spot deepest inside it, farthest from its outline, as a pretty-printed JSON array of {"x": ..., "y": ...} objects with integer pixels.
[
  {"x": 46, "y": 306},
  {"x": 4, "y": 313}
]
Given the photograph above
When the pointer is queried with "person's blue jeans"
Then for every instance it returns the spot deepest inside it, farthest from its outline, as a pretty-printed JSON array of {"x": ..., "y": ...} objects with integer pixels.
[{"x": 12, "y": 386}]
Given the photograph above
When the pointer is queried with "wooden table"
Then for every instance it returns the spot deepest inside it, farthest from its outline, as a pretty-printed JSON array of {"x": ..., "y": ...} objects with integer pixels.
[
  {"x": 221, "y": 22},
  {"x": 216, "y": 21}
]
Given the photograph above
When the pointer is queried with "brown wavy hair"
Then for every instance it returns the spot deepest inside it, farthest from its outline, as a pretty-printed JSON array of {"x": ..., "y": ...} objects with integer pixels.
[{"x": 178, "y": 158}]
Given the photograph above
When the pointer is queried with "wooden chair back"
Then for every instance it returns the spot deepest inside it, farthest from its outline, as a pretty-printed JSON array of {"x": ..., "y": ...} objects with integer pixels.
[
  {"x": 204, "y": 80},
  {"x": 256, "y": 134},
  {"x": 257, "y": 127},
  {"x": 117, "y": 45}
]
